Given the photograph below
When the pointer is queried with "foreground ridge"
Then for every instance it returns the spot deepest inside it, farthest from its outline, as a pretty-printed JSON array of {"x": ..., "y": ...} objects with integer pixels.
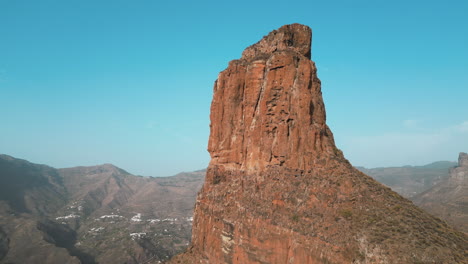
[{"x": 277, "y": 189}]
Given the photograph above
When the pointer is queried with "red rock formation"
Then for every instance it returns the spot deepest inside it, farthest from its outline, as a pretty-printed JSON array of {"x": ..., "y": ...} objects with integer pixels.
[
  {"x": 278, "y": 190},
  {"x": 267, "y": 107}
]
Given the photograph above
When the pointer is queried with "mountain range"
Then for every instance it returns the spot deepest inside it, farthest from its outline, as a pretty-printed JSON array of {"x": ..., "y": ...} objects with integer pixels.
[
  {"x": 97, "y": 214},
  {"x": 84, "y": 214},
  {"x": 408, "y": 180}
]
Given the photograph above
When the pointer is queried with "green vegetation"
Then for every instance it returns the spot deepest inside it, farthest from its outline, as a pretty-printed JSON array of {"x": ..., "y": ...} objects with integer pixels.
[
  {"x": 295, "y": 218},
  {"x": 346, "y": 213}
]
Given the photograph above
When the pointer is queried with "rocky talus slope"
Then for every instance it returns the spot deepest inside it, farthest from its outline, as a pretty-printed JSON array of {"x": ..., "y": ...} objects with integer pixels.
[
  {"x": 449, "y": 199},
  {"x": 278, "y": 190}
]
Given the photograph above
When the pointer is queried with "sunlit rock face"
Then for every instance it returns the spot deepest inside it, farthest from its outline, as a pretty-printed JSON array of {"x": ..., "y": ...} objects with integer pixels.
[
  {"x": 267, "y": 107},
  {"x": 277, "y": 189}
]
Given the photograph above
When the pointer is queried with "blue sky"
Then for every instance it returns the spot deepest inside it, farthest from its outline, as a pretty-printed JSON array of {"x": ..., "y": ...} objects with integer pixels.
[{"x": 130, "y": 82}]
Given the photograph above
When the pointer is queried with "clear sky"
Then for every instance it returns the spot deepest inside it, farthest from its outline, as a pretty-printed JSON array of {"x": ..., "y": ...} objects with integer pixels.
[{"x": 130, "y": 82}]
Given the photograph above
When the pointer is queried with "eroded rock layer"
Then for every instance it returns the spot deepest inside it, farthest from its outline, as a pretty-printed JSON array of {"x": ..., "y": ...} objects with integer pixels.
[{"x": 277, "y": 189}]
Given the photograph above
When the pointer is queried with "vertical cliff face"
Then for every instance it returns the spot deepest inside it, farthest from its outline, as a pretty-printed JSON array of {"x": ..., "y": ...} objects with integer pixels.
[
  {"x": 463, "y": 162},
  {"x": 459, "y": 174},
  {"x": 267, "y": 107},
  {"x": 278, "y": 190}
]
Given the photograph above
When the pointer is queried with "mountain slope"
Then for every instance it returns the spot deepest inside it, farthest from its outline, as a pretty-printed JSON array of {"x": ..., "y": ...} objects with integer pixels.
[
  {"x": 410, "y": 180},
  {"x": 25, "y": 186},
  {"x": 449, "y": 198},
  {"x": 28, "y": 194},
  {"x": 97, "y": 214}
]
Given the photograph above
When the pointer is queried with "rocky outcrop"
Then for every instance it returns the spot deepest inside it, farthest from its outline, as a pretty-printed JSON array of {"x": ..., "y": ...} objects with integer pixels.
[
  {"x": 277, "y": 189},
  {"x": 463, "y": 160},
  {"x": 267, "y": 107},
  {"x": 449, "y": 198},
  {"x": 459, "y": 174}
]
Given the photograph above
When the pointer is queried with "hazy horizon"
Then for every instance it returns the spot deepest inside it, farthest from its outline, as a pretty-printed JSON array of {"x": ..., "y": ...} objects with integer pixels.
[
  {"x": 202, "y": 169},
  {"x": 85, "y": 83}
]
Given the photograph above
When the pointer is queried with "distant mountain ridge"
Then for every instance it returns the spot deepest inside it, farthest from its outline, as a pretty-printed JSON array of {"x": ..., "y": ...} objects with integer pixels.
[
  {"x": 440, "y": 188},
  {"x": 411, "y": 180},
  {"x": 69, "y": 214},
  {"x": 448, "y": 199},
  {"x": 28, "y": 184},
  {"x": 95, "y": 214}
]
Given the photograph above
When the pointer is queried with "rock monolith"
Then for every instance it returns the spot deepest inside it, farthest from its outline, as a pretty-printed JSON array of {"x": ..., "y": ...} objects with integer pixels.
[{"x": 277, "y": 188}]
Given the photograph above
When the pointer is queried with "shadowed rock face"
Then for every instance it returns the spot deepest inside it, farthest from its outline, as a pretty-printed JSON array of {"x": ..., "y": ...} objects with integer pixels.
[{"x": 277, "y": 189}]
